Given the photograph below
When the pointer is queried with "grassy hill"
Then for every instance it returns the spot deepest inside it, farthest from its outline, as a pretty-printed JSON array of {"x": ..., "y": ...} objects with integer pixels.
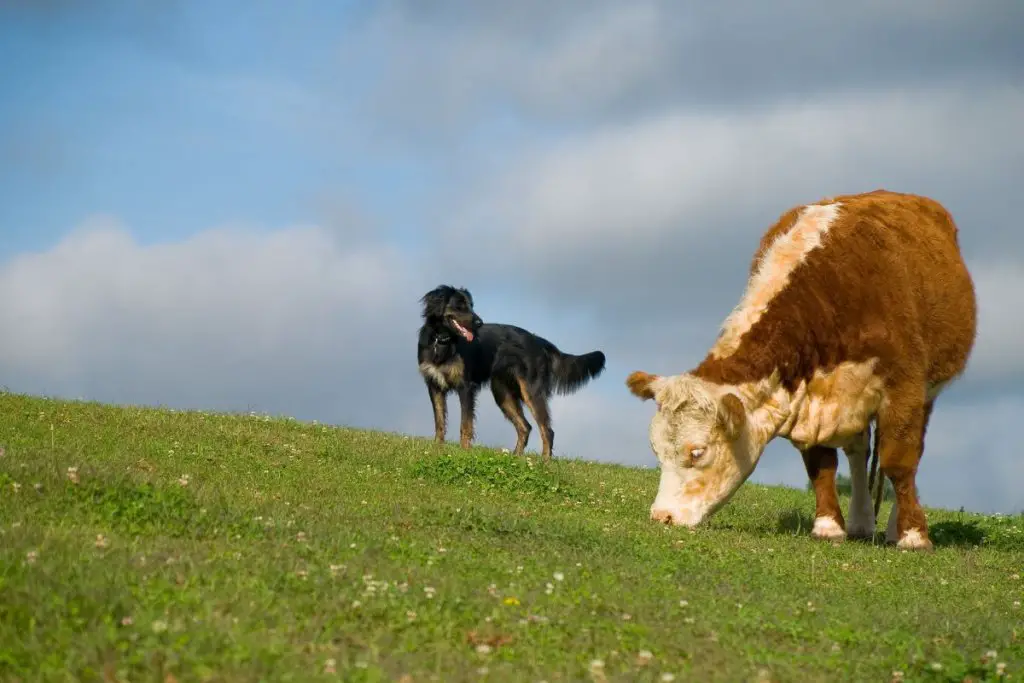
[{"x": 150, "y": 545}]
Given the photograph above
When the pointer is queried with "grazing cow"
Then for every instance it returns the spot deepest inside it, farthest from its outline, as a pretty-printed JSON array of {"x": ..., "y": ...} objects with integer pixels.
[{"x": 858, "y": 308}]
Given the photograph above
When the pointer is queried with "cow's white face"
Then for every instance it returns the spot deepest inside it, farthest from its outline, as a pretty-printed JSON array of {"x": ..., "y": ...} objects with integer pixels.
[{"x": 701, "y": 437}]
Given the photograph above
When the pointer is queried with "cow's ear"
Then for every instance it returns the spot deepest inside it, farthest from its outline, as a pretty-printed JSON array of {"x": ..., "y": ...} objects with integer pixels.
[
  {"x": 642, "y": 384},
  {"x": 731, "y": 415}
]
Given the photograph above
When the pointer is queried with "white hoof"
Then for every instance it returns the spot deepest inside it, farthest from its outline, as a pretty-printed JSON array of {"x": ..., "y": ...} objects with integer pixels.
[
  {"x": 913, "y": 539},
  {"x": 828, "y": 529}
]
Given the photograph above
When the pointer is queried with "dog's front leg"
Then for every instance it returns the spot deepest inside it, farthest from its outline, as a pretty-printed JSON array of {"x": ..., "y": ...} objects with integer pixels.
[
  {"x": 467, "y": 397},
  {"x": 437, "y": 399}
]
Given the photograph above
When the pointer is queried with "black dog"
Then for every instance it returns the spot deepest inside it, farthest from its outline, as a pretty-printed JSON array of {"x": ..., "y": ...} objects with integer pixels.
[{"x": 459, "y": 352}]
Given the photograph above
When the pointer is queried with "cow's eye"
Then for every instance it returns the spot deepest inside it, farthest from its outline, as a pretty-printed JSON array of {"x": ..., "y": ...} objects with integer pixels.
[{"x": 696, "y": 453}]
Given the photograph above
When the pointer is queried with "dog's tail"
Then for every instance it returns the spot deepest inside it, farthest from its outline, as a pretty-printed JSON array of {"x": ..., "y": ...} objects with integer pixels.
[{"x": 572, "y": 372}]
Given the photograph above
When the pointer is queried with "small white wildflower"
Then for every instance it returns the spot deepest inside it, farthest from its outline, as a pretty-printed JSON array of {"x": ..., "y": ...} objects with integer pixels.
[
  {"x": 549, "y": 588},
  {"x": 356, "y": 604},
  {"x": 73, "y": 474},
  {"x": 559, "y": 576},
  {"x": 596, "y": 664},
  {"x": 644, "y": 657},
  {"x": 684, "y": 603},
  {"x": 361, "y": 664},
  {"x": 483, "y": 649},
  {"x": 30, "y": 556},
  {"x": 936, "y": 666},
  {"x": 668, "y": 676},
  {"x": 330, "y": 666},
  {"x": 183, "y": 479},
  {"x": 101, "y": 541},
  {"x": 159, "y": 626}
]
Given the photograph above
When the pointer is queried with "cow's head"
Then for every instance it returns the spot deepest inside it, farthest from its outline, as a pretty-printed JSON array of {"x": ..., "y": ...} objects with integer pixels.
[{"x": 701, "y": 435}]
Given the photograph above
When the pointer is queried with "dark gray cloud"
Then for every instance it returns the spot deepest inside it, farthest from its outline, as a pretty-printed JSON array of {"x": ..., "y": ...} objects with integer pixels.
[{"x": 591, "y": 60}]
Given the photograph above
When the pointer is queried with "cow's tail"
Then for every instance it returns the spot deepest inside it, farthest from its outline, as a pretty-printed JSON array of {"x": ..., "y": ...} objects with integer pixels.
[{"x": 874, "y": 476}]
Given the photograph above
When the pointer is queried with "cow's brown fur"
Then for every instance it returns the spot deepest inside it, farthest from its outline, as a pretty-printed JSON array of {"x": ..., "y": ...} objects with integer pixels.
[{"x": 887, "y": 286}]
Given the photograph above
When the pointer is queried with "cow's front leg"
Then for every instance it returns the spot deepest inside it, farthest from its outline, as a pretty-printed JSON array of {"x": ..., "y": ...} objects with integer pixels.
[
  {"x": 861, "y": 522},
  {"x": 821, "y": 463}
]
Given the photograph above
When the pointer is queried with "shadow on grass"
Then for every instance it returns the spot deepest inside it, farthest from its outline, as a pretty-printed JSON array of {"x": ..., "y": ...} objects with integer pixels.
[
  {"x": 794, "y": 523},
  {"x": 957, "y": 534},
  {"x": 944, "y": 534}
]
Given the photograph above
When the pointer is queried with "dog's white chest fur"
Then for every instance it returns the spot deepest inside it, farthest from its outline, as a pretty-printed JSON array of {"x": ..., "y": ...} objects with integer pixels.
[{"x": 448, "y": 375}]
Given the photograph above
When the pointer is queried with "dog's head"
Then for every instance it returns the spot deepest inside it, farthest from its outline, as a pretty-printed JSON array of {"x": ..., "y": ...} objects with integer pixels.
[{"x": 453, "y": 308}]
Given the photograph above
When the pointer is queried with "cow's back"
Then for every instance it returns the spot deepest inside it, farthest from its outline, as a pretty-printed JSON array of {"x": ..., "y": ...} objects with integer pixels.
[
  {"x": 876, "y": 276},
  {"x": 907, "y": 248}
]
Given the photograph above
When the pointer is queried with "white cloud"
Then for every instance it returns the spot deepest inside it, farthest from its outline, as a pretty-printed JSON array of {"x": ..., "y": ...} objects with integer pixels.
[
  {"x": 290, "y": 320},
  {"x": 627, "y": 189},
  {"x": 998, "y": 354},
  {"x": 971, "y": 456}
]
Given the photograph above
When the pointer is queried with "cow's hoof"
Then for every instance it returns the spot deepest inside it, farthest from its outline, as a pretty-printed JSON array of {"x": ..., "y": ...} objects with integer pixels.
[
  {"x": 827, "y": 529},
  {"x": 860, "y": 532},
  {"x": 913, "y": 539}
]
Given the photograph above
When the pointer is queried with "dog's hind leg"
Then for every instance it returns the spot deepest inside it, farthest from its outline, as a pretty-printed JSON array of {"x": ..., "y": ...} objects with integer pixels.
[
  {"x": 437, "y": 399},
  {"x": 538, "y": 405},
  {"x": 512, "y": 407},
  {"x": 467, "y": 397}
]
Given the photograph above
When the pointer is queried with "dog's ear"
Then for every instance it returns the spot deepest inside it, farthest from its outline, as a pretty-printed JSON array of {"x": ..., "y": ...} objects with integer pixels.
[{"x": 434, "y": 301}]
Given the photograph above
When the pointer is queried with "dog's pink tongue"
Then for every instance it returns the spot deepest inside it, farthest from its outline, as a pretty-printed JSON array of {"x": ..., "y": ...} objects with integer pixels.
[{"x": 469, "y": 335}]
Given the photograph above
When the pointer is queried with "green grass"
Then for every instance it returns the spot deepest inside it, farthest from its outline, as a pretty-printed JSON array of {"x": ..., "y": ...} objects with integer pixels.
[{"x": 303, "y": 552}]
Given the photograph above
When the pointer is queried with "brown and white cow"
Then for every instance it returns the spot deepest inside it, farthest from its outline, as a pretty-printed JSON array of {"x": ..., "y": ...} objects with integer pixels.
[{"x": 858, "y": 307}]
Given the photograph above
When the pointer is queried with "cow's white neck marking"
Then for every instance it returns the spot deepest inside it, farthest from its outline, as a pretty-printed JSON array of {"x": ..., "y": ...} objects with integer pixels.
[{"x": 779, "y": 260}]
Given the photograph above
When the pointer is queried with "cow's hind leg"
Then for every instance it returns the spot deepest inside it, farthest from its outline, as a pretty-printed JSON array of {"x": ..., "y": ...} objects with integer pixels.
[
  {"x": 902, "y": 424},
  {"x": 821, "y": 463},
  {"x": 505, "y": 395},
  {"x": 861, "y": 520}
]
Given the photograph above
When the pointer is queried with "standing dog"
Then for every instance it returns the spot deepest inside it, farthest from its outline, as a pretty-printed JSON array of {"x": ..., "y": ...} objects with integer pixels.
[{"x": 459, "y": 352}]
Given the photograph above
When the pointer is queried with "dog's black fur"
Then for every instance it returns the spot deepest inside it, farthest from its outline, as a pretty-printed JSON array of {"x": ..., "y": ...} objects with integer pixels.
[{"x": 459, "y": 352}]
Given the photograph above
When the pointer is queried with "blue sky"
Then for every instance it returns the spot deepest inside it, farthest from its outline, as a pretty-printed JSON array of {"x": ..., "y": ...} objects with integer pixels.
[{"x": 209, "y": 207}]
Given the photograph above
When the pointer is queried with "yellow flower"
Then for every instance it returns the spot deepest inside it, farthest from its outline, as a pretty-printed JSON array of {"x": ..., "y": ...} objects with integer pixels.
[{"x": 511, "y": 600}]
